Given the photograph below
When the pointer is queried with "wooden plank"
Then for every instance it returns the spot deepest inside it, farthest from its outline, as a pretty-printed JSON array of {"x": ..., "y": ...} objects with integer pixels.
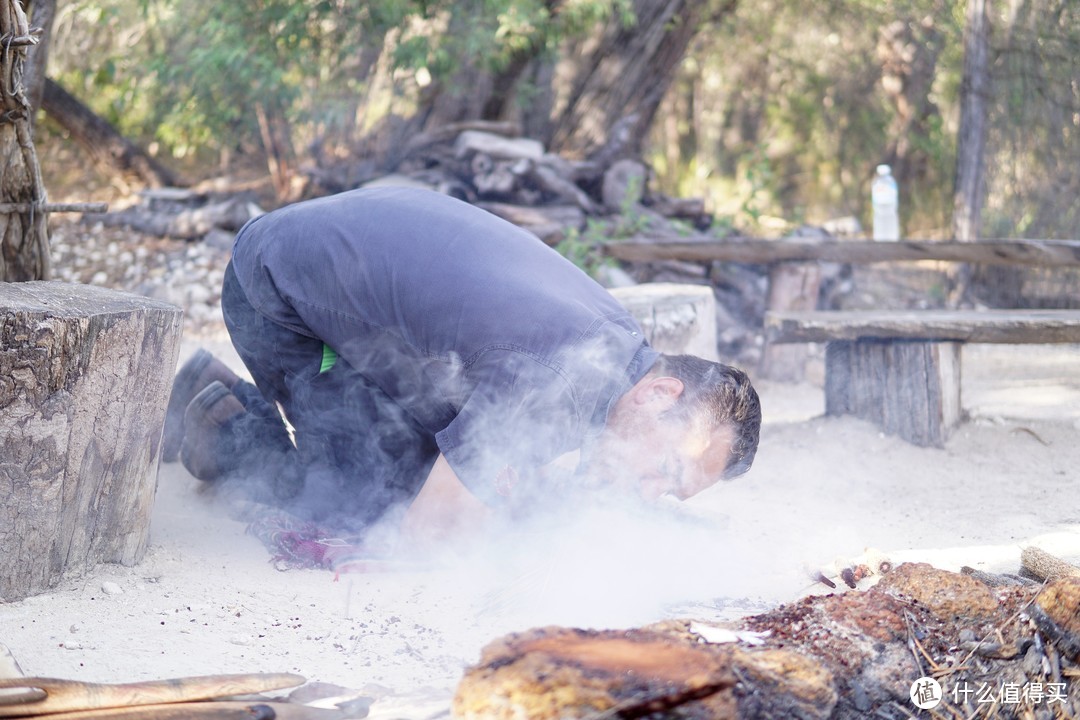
[
  {"x": 985, "y": 326},
  {"x": 907, "y": 388},
  {"x": 987, "y": 252}
]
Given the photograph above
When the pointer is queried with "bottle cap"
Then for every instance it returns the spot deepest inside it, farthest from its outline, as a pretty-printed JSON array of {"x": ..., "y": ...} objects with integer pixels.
[{"x": 884, "y": 170}]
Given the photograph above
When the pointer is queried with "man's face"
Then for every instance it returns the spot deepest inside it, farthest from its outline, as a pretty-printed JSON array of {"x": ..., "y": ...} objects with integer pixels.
[
  {"x": 682, "y": 459},
  {"x": 673, "y": 456}
]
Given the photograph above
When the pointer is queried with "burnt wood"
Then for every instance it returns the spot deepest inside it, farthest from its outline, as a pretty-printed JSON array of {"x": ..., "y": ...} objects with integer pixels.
[{"x": 85, "y": 373}]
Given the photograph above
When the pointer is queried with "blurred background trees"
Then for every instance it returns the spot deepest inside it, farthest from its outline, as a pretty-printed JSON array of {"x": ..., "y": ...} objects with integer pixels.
[{"x": 775, "y": 111}]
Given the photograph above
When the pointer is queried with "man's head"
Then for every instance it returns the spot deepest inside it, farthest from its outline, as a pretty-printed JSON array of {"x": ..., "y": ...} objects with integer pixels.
[{"x": 680, "y": 429}]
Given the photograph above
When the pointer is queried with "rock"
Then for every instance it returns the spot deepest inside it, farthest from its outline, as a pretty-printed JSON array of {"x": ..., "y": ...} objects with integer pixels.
[
  {"x": 948, "y": 595},
  {"x": 110, "y": 588}
]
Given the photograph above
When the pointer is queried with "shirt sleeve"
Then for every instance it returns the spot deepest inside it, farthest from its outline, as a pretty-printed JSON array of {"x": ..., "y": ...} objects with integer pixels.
[{"x": 520, "y": 415}]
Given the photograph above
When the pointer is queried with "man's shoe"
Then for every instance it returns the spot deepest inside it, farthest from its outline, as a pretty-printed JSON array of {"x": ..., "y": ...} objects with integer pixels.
[
  {"x": 198, "y": 372},
  {"x": 205, "y": 450}
]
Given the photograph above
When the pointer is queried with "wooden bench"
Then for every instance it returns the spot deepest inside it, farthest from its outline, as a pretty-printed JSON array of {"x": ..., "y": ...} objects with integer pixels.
[{"x": 901, "y": 369}]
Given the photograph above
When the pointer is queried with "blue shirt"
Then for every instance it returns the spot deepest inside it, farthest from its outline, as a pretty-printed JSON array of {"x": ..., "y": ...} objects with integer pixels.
[{"x": 504, "y": 350}]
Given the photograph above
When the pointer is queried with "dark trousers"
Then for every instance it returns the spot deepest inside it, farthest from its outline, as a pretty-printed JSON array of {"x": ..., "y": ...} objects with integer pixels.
[{"x": 356, "y": 453}]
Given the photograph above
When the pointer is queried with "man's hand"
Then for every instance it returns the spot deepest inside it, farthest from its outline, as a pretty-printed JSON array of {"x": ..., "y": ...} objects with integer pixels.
[{"x": 443, "y": 515}]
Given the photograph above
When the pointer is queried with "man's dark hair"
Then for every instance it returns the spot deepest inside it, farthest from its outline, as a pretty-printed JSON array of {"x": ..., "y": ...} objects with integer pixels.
[{"x": 721, "y": 395}]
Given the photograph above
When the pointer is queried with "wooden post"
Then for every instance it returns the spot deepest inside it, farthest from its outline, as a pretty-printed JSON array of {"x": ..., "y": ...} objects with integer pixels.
[
  {"x": 909, "y": 388},
  {"x": 793, "y": 286},
  {"x": 85, "y": 374}
]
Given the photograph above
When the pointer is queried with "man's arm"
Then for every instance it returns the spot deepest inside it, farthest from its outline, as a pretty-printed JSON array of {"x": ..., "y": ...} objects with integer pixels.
[{"x": 443, "y": 514}]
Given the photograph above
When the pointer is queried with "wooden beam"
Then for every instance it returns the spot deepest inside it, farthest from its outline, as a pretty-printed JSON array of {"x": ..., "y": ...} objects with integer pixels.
[
  {"x": 988, "y": 252},
  {"x": 986, "y": 326}
]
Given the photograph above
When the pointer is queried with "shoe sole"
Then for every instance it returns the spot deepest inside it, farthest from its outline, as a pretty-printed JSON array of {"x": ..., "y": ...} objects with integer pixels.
[
  {"x": 183, "y": 390},
  {"x": 203, "y": 466}
]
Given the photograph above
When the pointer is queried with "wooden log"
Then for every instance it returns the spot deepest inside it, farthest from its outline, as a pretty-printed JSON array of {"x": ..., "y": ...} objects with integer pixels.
[
  {"x": 477, "y": 141},
  {"x": 987, "y": 252},
  {"x": 1043, "y": 566},
  {"x": 85, "y": 374},
  {"x": 623, "y": 185},
  {"x": 563, "y": 189},
  {"x": 908, "y": 388},
  {"x": 977, "y": 326},
  {"x": 525, "y": 216},
  {"x": 547, "y": 222},
  {"x": 188, "y": 224}
]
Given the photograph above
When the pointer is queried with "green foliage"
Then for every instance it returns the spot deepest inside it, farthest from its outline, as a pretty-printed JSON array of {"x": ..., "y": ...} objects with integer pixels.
[
  {"x": 188, "y": 74},
  {"x": 585, "y": 248},
  {"x": 791, "y": 105},
  {"x": 780, "y": 113}
]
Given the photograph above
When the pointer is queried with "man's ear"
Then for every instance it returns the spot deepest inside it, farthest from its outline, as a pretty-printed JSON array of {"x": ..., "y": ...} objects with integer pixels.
[{"x": 661, "y": 391}]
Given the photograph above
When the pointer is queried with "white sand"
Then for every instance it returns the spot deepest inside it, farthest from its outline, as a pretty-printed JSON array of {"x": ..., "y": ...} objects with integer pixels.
[{"x": 206, "y": 599}]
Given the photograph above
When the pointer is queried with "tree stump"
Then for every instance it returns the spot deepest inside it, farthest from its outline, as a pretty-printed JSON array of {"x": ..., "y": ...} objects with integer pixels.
[
  {"x": 676, "y": 318},
  {"x": 85, "y": 375}
]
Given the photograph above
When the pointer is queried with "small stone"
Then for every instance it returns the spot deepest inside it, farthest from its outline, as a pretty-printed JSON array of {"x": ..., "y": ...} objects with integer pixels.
[
  {"x": 71, "y": 645},
  {"x": 240, "y": 640},
  {"x": 110, "y": 588},
  {"x": 74, "y": 628}
]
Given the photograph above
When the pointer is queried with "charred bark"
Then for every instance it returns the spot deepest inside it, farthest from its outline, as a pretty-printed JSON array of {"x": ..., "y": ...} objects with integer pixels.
[{"x": 108, "y": 148}]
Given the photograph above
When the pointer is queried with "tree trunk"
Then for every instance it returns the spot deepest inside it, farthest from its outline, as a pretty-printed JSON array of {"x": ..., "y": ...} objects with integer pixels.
[
  {"x": 37, "y": 61},
  {"x": 280, "y": 156},
  {"x": 971, "y": 141},
  {"x": 908, "y": 52},
  {"x": 24, "y": 237},
  {"x": 85, "y": 374},
  {"x": 108, "y": 148},
  {"x": 622, "y": 72},
  {"x": 619, "y": 73}
]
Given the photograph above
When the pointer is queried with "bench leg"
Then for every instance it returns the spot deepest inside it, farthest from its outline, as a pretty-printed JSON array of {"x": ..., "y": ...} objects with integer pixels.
[{"x": 909, "y": 388}]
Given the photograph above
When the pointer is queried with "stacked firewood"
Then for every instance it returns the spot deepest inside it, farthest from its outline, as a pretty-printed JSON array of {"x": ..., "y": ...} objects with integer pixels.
[{"x": 578, "y": 205}]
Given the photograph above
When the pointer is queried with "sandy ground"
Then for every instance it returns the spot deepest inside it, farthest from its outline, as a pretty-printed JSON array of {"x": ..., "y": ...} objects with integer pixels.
[{"x": 206, "y": 599}]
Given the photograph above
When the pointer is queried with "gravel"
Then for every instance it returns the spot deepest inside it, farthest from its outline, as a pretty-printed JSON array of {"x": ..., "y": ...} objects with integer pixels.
[{"x": 185, "y": 273}]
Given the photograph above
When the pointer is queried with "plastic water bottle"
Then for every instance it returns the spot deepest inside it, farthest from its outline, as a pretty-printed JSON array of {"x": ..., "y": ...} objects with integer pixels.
[{"x": 886, "y": 205}]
